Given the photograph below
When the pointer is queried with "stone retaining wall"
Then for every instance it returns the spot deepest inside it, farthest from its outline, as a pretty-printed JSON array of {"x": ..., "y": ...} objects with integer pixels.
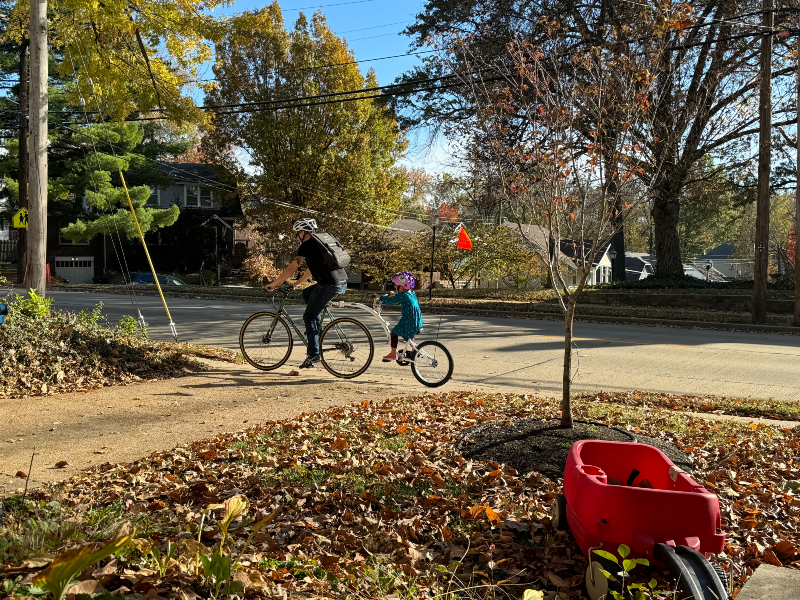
[{"x": 740, "y": 303}]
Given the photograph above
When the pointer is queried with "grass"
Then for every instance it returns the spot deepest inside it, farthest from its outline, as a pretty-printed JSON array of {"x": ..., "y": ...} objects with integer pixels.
[
  {"x": 782, "y": 410},
  {"x": 35, "y": 528},
  {"x": 393, "y": 442}
]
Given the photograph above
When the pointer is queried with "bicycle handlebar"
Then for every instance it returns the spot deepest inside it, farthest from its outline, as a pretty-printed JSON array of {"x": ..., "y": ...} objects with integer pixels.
[{"x": 283, "y": 289}]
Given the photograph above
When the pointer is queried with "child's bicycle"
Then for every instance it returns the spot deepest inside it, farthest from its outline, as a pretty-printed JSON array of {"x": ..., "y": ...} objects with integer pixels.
[{"x": 346, "y": 346}]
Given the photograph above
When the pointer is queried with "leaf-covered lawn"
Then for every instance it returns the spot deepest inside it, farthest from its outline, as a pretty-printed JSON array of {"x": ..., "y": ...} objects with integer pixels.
[
  {"x": 370, "y": 500},
  {"x": 780, "y": 410}
]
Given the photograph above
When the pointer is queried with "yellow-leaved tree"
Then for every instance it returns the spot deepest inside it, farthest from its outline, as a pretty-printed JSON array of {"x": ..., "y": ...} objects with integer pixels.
[
  {"x": 332, "y": 154},
  {"x": 129, "y": 57}
]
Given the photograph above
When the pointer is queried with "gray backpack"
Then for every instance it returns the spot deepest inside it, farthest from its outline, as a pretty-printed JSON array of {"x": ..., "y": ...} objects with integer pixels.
[{"x": 333, "y": 253}]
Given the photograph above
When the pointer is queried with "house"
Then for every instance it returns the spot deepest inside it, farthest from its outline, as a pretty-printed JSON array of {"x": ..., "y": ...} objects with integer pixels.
[
  {"x": 567, "y": 253},
  {"x": 187, "y": 245},
  {"x": 601, "y": 261},
  {"x": 723, "y": 259},
  {"x": 637, "y": 266}
]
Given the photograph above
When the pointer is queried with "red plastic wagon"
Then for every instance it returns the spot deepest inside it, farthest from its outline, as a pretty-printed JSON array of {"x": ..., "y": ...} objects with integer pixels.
[{"x": 626, "y": 493}]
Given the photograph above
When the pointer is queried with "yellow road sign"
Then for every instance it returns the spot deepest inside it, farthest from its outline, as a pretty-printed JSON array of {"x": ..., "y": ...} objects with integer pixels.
[{"x": 20, "y": 219}]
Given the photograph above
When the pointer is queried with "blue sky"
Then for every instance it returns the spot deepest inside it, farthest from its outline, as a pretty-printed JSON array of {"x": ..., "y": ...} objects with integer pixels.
[{"x": 372, "y": 30}]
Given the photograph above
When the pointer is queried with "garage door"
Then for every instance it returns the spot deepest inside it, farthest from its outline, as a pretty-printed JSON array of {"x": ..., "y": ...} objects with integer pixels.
[{"x": 75, "y": 269}]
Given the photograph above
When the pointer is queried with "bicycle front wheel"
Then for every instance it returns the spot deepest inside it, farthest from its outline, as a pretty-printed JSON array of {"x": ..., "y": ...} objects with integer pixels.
[
  {"x": 346, "y": 348},
  {"x": 265, "y": 341},
  {"x": 433, "y": 365}
]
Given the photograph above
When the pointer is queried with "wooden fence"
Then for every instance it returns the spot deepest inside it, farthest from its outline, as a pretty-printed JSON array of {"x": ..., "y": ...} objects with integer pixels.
[{"x": 8, "y": 250}]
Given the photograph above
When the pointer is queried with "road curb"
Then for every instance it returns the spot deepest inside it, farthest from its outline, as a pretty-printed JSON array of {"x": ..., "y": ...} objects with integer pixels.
[
  {"x": 506, "y": 313},
  {"x": 613, "y": 319}
]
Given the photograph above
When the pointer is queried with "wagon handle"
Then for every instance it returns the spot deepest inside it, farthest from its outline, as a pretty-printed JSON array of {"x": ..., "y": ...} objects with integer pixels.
[
  {"x": 591, "y": 550},
  {"x": 731, "y": 567}
]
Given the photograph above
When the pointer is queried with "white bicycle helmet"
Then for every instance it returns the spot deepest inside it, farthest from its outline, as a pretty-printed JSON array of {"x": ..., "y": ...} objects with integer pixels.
[{"x": 309, "y": 225}]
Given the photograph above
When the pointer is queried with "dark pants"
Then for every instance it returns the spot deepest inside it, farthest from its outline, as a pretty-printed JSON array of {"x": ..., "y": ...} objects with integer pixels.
[
  {"x": 317, "y": 297},
  {"x": 394, "y": 340}
]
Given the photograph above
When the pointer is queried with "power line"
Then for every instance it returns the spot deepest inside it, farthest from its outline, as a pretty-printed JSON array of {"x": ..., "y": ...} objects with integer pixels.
[
  {"x": 373, "y": 27},
  {"x": 327, "y": 5},
  {"x": 328, "y": 66}
]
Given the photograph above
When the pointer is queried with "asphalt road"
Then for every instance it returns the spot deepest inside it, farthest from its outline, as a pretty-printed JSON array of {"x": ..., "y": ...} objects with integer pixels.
[{"x": 524, "y": 354}]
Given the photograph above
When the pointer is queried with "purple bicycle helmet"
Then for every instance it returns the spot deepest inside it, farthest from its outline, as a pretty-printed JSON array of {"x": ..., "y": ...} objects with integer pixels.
[{"x": 404, "y": 279}]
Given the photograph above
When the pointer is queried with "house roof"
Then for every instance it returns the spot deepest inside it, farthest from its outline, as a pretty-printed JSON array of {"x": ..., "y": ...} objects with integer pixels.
[
  {"x": 193, "y": 173},
  {"x": 722, "y": 252},
  {"x": 535, "y": 234},
  {"x": 635, "y": 264},
  {"x": 570, "y": 248}
]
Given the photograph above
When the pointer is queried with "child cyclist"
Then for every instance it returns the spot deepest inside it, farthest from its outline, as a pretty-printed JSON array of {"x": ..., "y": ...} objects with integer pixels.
[{"x": 411, "y": 315}]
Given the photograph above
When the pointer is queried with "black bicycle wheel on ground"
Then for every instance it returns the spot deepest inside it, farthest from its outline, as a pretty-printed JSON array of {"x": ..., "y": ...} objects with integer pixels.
[
  {"x": 346, "y": 348},
  {"x": 265, "y": 341},
  {"x": 433, "y": 365}
]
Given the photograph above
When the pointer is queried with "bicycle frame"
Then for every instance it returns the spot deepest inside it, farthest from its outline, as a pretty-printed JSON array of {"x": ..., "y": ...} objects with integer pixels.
[{"x": 281, "y": 312}]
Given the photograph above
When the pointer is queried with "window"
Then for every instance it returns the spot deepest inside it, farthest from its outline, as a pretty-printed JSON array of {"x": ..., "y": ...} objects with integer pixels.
[
  {"x": 191, "y": 196},
  {"x": 173, "y": 195},
  {"x": 80, "y": 264},
  {"x": 153, "y": 199},
  {"x": 65, "y": 242},
  {"x": 206, "y": 197}
]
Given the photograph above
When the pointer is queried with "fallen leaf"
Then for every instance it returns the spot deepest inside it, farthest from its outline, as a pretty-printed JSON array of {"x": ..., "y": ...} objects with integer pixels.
[
  {"x": 770, "y": 557},
  {"x": 90, "y": 587},
  {"x": 61, "y": 464},
  {"x": 21, "y": 475},
  {"x": 556, "y": 580},
  {"x": 340, "y": 444}
]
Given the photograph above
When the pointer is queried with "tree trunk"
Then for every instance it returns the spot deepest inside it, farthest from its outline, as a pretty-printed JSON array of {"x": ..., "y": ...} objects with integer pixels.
[
  {"x": 566, "y": 401},
  {"x": 667, "y": 243},
  {"x": 618, "y": 272}
]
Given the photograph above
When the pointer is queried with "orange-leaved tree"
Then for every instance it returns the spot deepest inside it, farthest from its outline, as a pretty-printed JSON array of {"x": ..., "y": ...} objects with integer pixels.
[{"x": 565, "y": 125}]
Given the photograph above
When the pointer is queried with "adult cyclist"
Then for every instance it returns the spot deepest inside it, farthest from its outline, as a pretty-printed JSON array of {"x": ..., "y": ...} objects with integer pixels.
[{"x": 329, "y": 284}]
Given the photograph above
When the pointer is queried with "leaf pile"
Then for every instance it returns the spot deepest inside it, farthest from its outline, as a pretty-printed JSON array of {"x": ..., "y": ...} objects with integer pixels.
[
  {"x": 371, "y": 499},
  {"x": 58, "y": 351}
]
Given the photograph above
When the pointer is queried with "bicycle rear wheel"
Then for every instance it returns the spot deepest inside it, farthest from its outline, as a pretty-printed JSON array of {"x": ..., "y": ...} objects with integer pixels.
[
  {"x": 433, "y": 365},
  {"x": 346, "y": 348},
  {"x": 265, "y": 341}
]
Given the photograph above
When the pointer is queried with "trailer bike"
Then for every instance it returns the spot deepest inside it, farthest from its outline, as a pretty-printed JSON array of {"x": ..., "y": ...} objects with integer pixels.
[{"x": 346, "y": 345}]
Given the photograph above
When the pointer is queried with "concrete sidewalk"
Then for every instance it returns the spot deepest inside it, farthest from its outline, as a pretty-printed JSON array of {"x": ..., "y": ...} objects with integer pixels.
[{"x": 125, "y": 423}]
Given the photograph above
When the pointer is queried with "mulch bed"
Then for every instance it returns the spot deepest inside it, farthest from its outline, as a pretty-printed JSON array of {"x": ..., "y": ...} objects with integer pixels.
[{"x": 536, "y": 445}]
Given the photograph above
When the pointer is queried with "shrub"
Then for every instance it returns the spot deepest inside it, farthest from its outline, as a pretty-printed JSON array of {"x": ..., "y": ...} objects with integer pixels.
[
  {"x": 679, "y": 282},
  {"x": 260, "y": 267},
  {"x": 34, "y": 307}
]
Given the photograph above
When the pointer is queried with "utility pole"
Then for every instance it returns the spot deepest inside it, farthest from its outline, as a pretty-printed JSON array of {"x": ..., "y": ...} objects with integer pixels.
[
  {"x": 37, "y": 174},
  {"x": 22, "y": 234},
  {"x": 434, "y": 223},
  {"x": 797, "y": 199},
  {"x": 764, "y": 156}
]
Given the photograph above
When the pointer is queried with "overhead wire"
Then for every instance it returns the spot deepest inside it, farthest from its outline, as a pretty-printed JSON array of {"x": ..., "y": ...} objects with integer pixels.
[{"x": 263, "y": 199}]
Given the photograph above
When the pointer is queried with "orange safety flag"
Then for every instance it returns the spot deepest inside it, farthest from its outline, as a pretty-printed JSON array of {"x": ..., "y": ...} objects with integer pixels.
[{"x": 463, "y": 239}]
